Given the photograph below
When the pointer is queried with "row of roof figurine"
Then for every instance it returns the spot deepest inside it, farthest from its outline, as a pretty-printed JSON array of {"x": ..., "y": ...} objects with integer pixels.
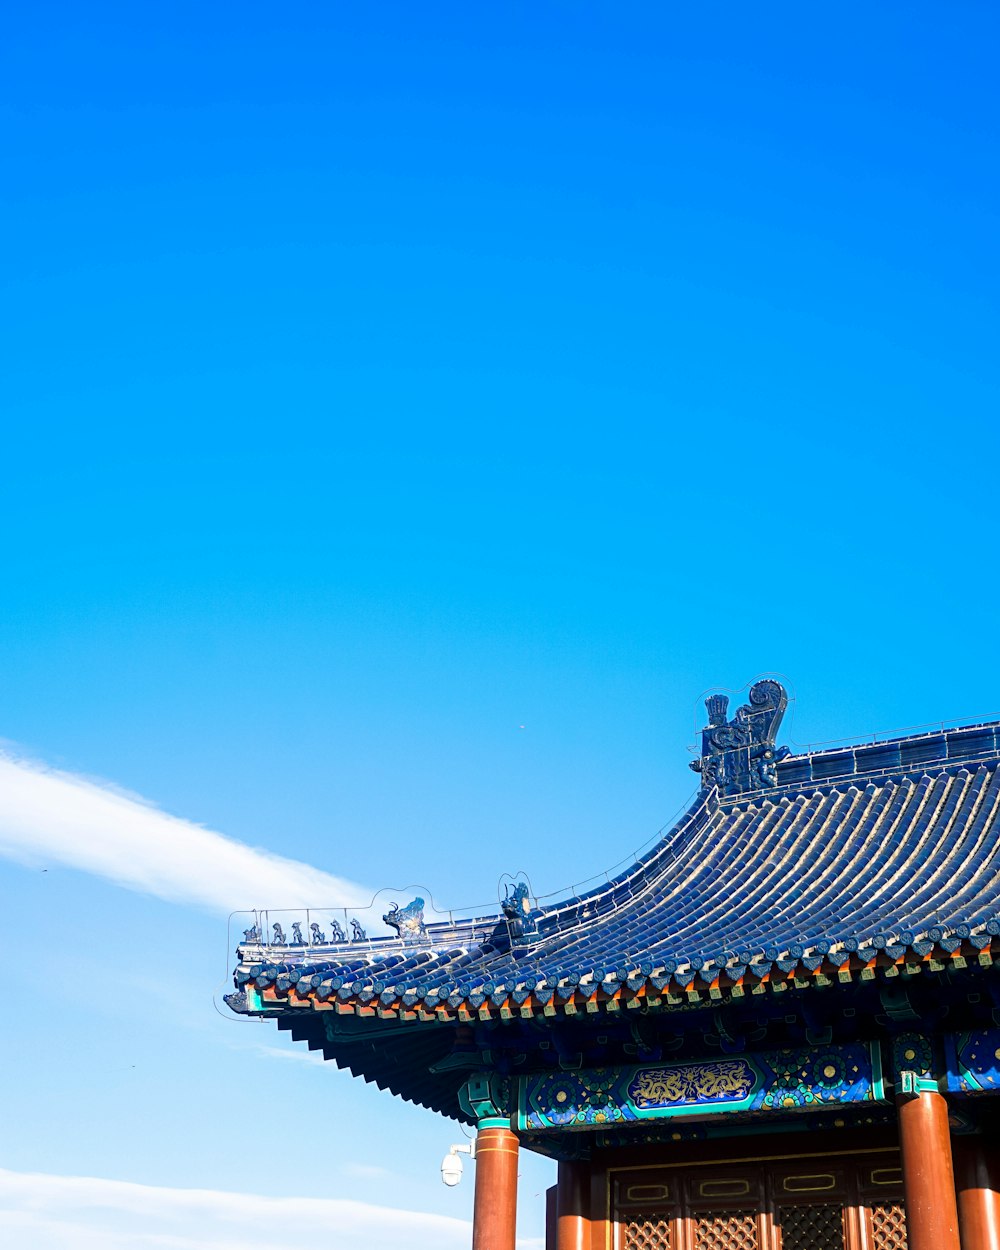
[
  {"x": 408, "y": 921},
  {"x": 317, "y": 937}
]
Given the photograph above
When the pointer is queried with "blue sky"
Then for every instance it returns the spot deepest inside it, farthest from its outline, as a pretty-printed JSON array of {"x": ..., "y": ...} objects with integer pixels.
[{"x": 408, "y": 413}]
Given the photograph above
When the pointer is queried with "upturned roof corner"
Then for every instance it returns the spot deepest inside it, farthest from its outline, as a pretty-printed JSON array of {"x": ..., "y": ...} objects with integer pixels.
[{"x": 851, "y": 866}]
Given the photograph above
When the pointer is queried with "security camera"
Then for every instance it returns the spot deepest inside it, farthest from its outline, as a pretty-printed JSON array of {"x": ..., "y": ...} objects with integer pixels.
[{"x": 452, "y": 1166}]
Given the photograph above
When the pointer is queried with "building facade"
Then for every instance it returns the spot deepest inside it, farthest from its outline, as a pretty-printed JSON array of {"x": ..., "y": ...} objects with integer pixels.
[{"x": 778, "y": 1030}]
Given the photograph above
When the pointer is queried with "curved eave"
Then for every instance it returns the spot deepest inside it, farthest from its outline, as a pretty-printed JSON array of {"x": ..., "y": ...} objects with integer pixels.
[{"x": 629, "y": 989}]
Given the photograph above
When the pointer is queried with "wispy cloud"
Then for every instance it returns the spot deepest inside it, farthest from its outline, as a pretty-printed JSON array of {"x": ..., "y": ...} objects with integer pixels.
[
  {"x": 366, "y": 1172},
  {"x": 55, "y": 817},
  {"x": 297, "y": 1056},
  {"x": 46, "y": 1212}
]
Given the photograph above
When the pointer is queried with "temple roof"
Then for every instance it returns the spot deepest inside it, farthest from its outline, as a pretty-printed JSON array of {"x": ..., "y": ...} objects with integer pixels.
[{"x": 814, "y": 869}]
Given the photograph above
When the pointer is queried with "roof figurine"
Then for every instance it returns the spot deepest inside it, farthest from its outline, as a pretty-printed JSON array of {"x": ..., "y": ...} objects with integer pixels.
[
  {"x": 407, "y": 921},
  {"x": 740, "y": 754},
  {"x": 522, "y": 921}
]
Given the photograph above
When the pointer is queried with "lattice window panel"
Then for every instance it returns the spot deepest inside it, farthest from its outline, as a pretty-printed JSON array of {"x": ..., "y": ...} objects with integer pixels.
[
  {"x": 889, "y": 1225},
  {"x": 725, "y": 1230},
  {"x": 815, "y": 1227},
  {"x": 647, "y": 1232}
]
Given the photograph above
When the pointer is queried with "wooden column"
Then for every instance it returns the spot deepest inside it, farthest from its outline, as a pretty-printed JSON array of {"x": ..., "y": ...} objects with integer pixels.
[
  {"x": 494, "y": 1216},
  {"x": 928, "y": 1180},
  {"x": 551, "y": 1216},
  {"x": 573, "y": 1207},
  {"x": 976, "y": 1189}
]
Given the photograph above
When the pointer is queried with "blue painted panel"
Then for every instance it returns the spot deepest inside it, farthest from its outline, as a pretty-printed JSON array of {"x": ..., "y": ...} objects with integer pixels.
[
  {"x": 973, "y": 1062},
  {"x": 779, "y": 1081}
]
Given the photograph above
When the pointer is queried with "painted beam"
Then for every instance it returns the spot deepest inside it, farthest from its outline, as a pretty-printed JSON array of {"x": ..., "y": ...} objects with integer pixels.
[{"x": 780, "y": 1080}]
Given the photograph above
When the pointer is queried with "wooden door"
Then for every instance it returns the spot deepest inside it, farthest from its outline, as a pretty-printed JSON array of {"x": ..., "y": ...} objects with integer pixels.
[
  {"x": 724, "y": 1209},
  {"x": 789, "y": 1204},
  {"x": 813, "y": 1206},
  {"x": 881, "y": 1198}
]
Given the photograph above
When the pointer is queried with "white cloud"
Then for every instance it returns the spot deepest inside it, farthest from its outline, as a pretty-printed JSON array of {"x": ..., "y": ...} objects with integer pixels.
[
  {"x": 297, "y": 1056},
  {"x": 366, "y": 1172},
  {"x": 54, "y": 817},
  {"x": 44, "y": 1212}
]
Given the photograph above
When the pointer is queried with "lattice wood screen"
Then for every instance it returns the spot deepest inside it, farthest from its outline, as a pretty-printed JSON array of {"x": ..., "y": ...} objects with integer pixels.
[
  {"x": 819, "y": 1227},
  {"x": 725, "y": 1230},
  {"x": 646, "y": 1232},
  {"x": 889, "y": 1226},
  {"x": 767, "y": 1217}
]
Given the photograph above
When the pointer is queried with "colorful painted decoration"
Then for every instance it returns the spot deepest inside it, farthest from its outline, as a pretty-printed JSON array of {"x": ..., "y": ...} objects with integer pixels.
[
  {"x": 973, "y": 1062},
  {"x": 914, "y": 1064},
  {"x": 779, "y": 1080}
]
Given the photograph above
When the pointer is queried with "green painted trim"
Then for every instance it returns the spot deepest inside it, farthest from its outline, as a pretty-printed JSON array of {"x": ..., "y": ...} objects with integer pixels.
[
  {"x": 254, "y": 1000},
  {"x": 487, "y": 1096},
  {"x": 910, "y": 1084},
  {"x": 493, "y": 1121},
  {"x": 878, "y": 1078}
]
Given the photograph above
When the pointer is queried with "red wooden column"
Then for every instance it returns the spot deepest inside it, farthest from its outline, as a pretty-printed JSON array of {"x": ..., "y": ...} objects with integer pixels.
[
  {"x": 551, "y": 1216},
  {"x": 494, "y": 1215},
  {"x": 573, "y": 1207},
  {"x": 928, "y": 1179},
  {"x": 978, "y": 1199}
]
